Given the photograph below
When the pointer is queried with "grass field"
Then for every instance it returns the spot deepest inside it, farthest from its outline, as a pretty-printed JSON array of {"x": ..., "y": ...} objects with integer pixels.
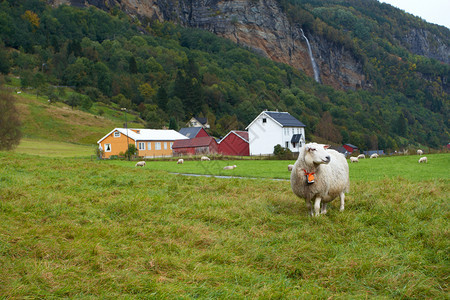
[
  {"x": 54, "y": 149},
  {"x": 81, "y": 228},
  {"x": 389, "y": 167}
]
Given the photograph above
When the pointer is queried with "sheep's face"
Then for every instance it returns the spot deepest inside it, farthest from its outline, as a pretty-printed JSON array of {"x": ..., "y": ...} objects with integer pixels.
[{"x": 316, "y": 154}]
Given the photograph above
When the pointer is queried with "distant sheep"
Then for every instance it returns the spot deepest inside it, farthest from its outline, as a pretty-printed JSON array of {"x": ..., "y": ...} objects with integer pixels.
[
  {"x": 423, "y": 159},
  {"x": 361, "y": 156},
  {"x": 353, "y": 159},
  {"x": 375, "y": 155},
  {"x": 140, "y": 164},
  {"x": 205, "y": 158},
  {"x": 180, "y": 161},
  {"x": 229, "y": 167},
  {"x": 290, "y": 167},
  {"x": 419, "y": 152},
  {"x": 319, "y": 176}
]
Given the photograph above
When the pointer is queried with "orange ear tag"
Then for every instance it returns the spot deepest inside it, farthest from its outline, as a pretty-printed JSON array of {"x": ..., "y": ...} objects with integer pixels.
[{"x": 309, "y": 177}]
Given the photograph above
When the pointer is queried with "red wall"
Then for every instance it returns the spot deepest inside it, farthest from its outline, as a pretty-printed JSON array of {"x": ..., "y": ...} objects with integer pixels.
[
  {"x": 234, "y": 145},
  {"x": 201, "y": 133}
]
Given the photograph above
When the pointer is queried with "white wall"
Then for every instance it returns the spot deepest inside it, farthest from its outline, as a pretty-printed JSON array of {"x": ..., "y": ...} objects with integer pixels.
[{"x": 264, "y": 136}]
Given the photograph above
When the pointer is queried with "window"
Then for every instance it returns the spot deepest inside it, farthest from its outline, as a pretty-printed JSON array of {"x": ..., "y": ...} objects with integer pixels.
[
  {"x": 107, "y": 147},
  {"x": 149, "y": 146},
  {"x": 264, "y": 120},
  {"x": 141, "y": 146},
  {"x": 287, "y": 145},
  {"x": 116, "y": 134},
  {"x": 171, "y": 144},
  {"x": 158, "y": 146},
  {"x": 165, "y": 145}
]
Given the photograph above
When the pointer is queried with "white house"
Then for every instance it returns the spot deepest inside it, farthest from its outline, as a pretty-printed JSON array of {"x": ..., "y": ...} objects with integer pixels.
[{"x": 270, "y": 128}]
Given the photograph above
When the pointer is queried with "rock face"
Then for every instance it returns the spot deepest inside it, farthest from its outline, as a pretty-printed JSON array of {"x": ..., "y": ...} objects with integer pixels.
[
  {"x": 420, "y": 42},
  {"x": 259, "y": 25}
]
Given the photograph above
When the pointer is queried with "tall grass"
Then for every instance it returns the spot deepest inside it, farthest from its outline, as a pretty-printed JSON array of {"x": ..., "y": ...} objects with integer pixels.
[{"x": 77, "y": 228}]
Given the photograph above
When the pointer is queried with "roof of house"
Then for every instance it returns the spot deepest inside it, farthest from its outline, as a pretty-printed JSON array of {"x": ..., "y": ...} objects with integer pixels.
[
  {"x": 190, "y": 132},
  {"x": 242, "y": 134},
  {"x": 192, "y": 143},
  {"x": 284, "y": 119},
  {"x": 148, "y": 134},
  {"x": 203, "y": 121},
  {"x": 351, "y": 146}
]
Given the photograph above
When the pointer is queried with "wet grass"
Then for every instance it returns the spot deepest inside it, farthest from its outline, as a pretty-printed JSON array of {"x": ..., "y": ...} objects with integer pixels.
[
  {"x": 77, "y": 228},
  {"x": 389, "y": 167}
]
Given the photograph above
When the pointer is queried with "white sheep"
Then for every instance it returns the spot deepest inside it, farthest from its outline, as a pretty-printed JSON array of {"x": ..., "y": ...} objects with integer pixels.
[
  {"x": 229, "y": 167},
  {"x": 140, "y": 164},
  {"x": 423, "y": 159},
  {"x": 375, "y": 155},
  {"x": 180, "y": 161},
  {"x": 290, "y": 167},
  {"x": 319, "y": 176},
  {"x": 419, "y": 152},
  {"x": 361, "y": 156},
  {"x": 353, "y": 159},
  {"x": 205, "y": 158}
]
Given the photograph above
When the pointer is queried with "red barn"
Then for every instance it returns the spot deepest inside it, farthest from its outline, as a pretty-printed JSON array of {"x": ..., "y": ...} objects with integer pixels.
[
  {"x": 235, "y": 143},
  {"x": 199, "y": 145},
  {"x": 350, "y": 148},
  {"x": 193, "y": 132}
]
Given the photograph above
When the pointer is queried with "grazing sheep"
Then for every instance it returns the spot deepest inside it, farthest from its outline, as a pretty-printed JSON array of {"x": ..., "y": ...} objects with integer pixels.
[
  {"x": 353, "y": 159},
  {"x": 419, "y": 152},
  {"x": 361, "y": 156},
  {"x": 140, "y": 164},
  {"x": 180, "y": 161},
  {"x": 204, "y": 158},
  {"x": 375, "y": 155},
  {"x": 319, "y": 176},
  {"x": 229, "y": 167},
  {"x": 290, "y": 167},
  {"x": 423, "y": 159}
]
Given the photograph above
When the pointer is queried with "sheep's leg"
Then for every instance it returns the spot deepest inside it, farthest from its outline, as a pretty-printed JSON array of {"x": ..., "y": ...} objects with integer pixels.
[
  {"x": 342, "y": 195},
  {"x": 323, "y": 210},
  {"x": 317, "y": 206},
  {"x": 309, "y": 206}
]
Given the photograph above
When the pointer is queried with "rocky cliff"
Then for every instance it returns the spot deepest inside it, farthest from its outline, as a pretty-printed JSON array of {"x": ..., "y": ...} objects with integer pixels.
[{"x": 262, "y": 26}]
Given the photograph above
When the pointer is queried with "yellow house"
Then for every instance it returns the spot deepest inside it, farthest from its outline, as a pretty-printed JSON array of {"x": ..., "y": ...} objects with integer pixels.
[{"x": 148, "y": 142}]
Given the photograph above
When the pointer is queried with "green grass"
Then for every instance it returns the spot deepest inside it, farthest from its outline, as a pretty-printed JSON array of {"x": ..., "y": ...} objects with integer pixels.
[
  {"x": 54, "y": 149},
  {"x": 59, "y": 122},
  {"x": 407, "y": 167},
  {"x": 80, "y": 228}
]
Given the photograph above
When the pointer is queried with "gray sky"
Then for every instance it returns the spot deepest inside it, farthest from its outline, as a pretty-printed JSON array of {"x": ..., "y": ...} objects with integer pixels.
[{"x": 432, "y": 11}]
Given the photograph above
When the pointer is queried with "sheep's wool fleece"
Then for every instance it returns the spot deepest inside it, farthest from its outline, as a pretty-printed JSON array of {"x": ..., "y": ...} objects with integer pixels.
[{"x": 330, "y": 179}]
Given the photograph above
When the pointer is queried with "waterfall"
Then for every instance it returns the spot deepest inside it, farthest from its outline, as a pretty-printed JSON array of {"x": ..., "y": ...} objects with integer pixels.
[{"x": 313, "y": 62}]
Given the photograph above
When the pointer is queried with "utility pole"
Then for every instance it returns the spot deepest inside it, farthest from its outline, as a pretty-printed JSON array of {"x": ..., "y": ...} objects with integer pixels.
[{"x": 126, "y": 128}]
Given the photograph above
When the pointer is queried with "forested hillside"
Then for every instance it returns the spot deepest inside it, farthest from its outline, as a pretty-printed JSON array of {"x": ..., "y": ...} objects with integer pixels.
[{"x": 168, "y": 72}]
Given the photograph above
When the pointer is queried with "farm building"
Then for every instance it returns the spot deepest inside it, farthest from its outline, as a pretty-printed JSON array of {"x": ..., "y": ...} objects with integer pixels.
[
  {"x": 193, "y": 132},
  {"x": 350, "y": 148},
  {"x": 198, "y": 122},
  {"x": 235, "y": 143},
  {"x": 200, "y": 145},
  {"x": 271, "y": 128},
  {"x": 370, "y": 152},
  {"x": 148, "y": 142}
]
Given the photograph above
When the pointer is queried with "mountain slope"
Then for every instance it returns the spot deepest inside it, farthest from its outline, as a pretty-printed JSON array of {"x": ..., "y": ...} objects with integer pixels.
[{"x": 165, "y": 72}]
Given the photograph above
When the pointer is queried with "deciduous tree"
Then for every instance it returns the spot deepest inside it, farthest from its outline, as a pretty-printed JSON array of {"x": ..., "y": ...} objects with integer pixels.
[{"x": 10, "y": 133}]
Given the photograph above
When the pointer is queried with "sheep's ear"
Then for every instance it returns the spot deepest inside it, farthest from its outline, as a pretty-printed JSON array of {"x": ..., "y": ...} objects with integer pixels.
[{"x": 326, "y": 147}]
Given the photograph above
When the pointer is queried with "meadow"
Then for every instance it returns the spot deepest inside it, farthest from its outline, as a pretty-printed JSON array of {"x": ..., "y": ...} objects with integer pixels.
[{"x": 82, "y": 228}]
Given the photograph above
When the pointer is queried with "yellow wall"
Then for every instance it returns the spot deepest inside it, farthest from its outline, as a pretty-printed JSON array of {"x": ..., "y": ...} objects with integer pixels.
[
  {"x": 153, "y": 151},
  {"x": 119, "y": 144}
]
